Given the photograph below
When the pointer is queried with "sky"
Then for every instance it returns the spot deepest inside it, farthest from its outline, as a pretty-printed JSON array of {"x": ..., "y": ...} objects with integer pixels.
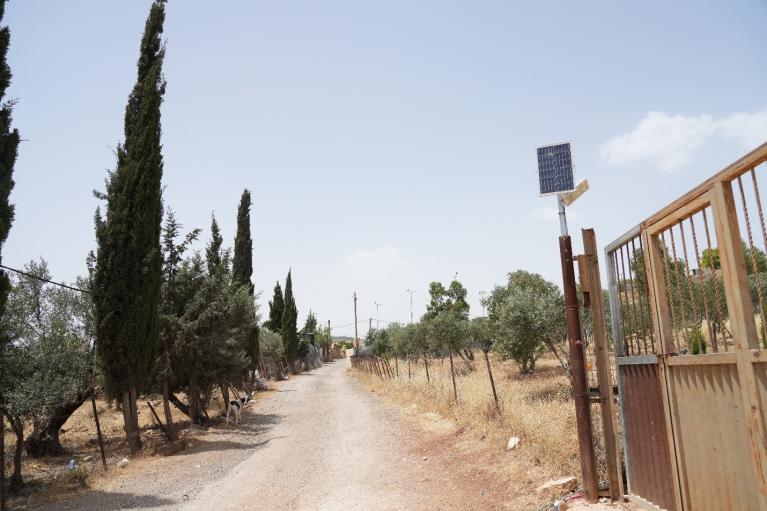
[{"x": 386, "y": 144}]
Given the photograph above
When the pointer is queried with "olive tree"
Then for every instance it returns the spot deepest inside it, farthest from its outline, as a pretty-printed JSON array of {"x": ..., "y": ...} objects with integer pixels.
[
  {"x": 447, "y": 331},
  {"x": 526, "y": 314}
]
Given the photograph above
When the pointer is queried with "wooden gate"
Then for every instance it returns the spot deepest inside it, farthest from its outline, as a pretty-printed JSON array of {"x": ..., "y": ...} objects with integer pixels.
[{"x": 688, "y": 291}]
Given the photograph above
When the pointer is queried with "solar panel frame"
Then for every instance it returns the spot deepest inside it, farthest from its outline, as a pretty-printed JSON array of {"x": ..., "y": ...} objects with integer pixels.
[{"x": 557, "y": 177}]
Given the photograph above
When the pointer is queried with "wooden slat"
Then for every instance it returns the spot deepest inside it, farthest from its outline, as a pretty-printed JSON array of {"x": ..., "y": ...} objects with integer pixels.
[
  {"x": 709, "y": 359},
  {"x": 687, "y": 210},
  {"x": 743, "y": 326},
  {"x": 749, "y": 161},
  {"x": 680, "y": 490},
  {"x": 656, "y": 283},
  {"x": 713, "y": 448}
]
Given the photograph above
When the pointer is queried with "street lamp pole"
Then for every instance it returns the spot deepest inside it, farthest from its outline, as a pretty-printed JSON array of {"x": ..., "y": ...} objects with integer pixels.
[
  {"x": 411, "y": 291},
  {"x": 377, "y": 306}
]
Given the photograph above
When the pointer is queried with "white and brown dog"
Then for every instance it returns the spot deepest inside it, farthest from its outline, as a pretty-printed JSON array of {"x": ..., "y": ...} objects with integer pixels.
[{"x": 236, "y": 406}]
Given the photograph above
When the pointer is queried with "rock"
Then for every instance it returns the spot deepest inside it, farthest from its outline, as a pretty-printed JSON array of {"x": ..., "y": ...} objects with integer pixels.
[
  {"x": 123, "y": 462},
  {"x": 88, "y": 458},
  {"x": 559, "y": 505},
  {"x": 560, "y": 485},
  {"x": 513, "y": 443},
  {"x": 424, "y": 458}
]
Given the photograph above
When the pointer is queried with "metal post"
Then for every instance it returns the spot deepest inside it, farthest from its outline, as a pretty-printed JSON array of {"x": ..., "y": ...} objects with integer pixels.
[
  {"x": 98, "y": 430},
  {"x": 356, "y": 337},
  {"x": 577, "y": 366},
  {"x": 411, "y": 291}
]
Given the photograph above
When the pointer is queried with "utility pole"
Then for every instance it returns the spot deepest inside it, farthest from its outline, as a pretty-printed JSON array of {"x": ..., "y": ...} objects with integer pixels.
[
  {"x": 330, "y": 341},
  {"x": 411, "y": 291},
  {"x": 356, "y": 337},
  {"x": 482, "y": 301}
]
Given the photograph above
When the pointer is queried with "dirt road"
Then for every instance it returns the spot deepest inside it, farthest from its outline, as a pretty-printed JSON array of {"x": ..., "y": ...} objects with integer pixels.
[{"x": 319, "y": 442}]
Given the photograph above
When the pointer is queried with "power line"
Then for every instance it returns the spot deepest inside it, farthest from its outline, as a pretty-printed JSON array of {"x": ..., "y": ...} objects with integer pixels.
[
  {"x": 44, "y": 280},
  {"x": 349, "y": 324}
]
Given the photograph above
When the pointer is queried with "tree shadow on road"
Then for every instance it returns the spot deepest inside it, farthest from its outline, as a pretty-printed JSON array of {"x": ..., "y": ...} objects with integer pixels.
[
  {"x": 221, "y": 445},
  {"x": 98, "y": 500}
]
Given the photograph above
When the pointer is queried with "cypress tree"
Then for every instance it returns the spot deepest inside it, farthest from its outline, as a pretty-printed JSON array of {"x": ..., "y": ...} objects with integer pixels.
[
  {"x": 9, "y": 143},
  {"x": 242, "y": 271},
  {"x": 213, "y": 250},
  {"x": 276, "y": 307},
  {"x": 289, "y": 320},
  {"x": 242, "y": 264},
  {"x": 128, "y": 266}
]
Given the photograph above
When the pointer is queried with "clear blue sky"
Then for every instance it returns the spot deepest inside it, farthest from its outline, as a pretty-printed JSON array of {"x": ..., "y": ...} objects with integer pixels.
[{"x": 386, "y": 144}]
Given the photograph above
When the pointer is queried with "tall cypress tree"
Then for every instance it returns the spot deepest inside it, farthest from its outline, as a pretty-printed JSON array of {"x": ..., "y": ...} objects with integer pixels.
[
  {"x": 289, "y": 320},
  {"x": 242, "y": 271},
  {"x": 213, "y": 250},
  {"x": 276, "y": 307},
  {"x": 242, "y": 264},
  {"x": 9, "y": 143},
  {"x": 128, "y": 265}
]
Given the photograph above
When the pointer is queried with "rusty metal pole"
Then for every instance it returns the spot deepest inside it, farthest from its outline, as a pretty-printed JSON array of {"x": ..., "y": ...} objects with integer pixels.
[{"x": 577, "y": 366}]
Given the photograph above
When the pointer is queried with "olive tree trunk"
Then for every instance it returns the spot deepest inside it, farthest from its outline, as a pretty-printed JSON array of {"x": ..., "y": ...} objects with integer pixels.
[{"x": 44, "y": 439}]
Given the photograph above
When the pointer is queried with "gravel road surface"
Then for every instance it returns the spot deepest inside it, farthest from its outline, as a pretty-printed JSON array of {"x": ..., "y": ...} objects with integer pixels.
[{"x": 319, "y": 442}]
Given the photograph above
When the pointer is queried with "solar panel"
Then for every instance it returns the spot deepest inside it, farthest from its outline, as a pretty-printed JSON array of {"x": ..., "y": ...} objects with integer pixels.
[{"x": 555, "y": 169}]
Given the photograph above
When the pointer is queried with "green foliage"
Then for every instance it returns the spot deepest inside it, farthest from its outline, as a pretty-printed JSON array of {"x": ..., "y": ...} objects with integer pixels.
[
  {"x": 9, "y": 143},
  {"x": 272, "y": 345},
  {"x": 49, "y": 361},
  {"x": 128, "y": 268},
  {"x": 480, "y": 333},
  {"x": 310, "y": 325},
  {"x": 214, "y": 329},
  {"x": 380, "y": 341},
  {"x": 525, "y": 315},
  {"x": 174, "y": 297},
  {"x": 289, "y": 319},
  {"x": 710, "y": 259},
  {"x": 447, "y": 331},
  {"x": 276, "y": 306},
  {"x": 214, "y": 253},
  {"x": 452, "y": 299},
  {"x": 697, "y": 342},
  {"x": 242, "y": 264}
]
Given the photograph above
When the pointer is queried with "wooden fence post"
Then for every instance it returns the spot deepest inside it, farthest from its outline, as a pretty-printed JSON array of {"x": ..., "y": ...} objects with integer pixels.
[
  {"x": 602, "y": 356},
  {"x": 744, "y": 333}
]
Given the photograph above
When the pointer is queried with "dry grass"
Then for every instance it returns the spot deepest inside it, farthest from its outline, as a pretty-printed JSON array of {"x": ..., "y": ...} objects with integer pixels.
[
  {"x": 49, "y": 475},
  {"x": 537, "y": 408}
]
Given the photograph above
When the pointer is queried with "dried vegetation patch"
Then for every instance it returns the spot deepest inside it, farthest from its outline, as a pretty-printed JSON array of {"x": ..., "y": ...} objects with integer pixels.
[{"x": 537, "y": 408}]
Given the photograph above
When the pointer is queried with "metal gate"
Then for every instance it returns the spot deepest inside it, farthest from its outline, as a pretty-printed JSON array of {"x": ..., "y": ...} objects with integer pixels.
[{"x": 688, "y": 291}]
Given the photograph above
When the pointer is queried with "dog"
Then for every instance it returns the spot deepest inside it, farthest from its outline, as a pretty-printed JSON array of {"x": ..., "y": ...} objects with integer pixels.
[{"x": 236, "y": 406}]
